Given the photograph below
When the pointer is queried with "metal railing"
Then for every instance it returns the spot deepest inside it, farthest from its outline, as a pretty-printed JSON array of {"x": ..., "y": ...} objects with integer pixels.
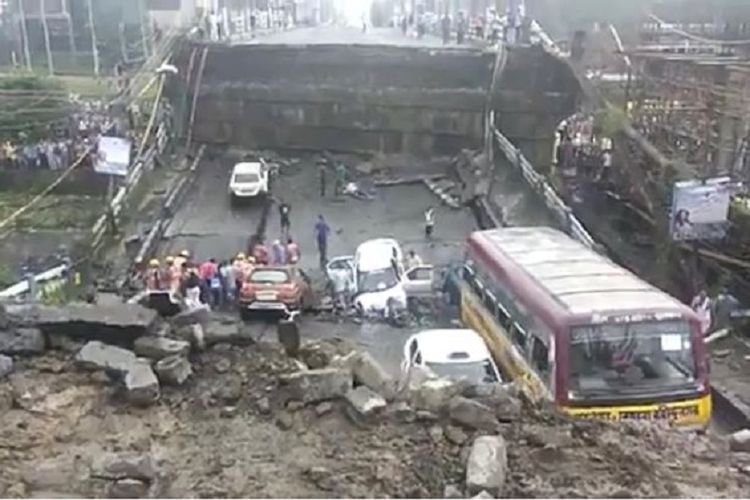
[{"x": 538, "y": 183}]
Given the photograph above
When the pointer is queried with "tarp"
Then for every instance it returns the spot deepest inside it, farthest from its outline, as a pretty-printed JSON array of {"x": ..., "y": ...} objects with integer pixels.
[
  {"x": 113, "y": 156},
  {"x": 700, "y": 209}
]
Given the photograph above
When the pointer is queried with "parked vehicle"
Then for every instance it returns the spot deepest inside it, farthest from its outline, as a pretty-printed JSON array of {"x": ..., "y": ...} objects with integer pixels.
[
  {"x": 249, "y": 180},
  {"x": 283, "y": 289},
  {"x": 451, "y": 353}
]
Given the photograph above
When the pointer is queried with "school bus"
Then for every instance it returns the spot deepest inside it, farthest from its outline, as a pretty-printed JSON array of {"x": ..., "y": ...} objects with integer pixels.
[{"x": 573, "y": 327}]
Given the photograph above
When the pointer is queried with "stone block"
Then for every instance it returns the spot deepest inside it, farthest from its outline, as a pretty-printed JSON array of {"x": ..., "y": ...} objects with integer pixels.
[
  {"x": 367, "y": 371},
  {"x": 124, "y": 465},
  {"x": 487, "y": 465},
  {"x": 433, "y": 395},
  {"x": 96, "y": 355},
  {"x": 173, "y": 370},
  {"x": 128, "y": 488},
  {"x": 22, "y": 341},
  {"x": 364, "y": 402},
  {"x": 472, "y": 414},
  {"x": 160, "y": 347},
  {"x": 141, "y": 384},
  {"x": 317, "y": 385},
  {"x": 6, "y": 366},
  {"x": 740, "y": 441},
  {"x": 200, "y": 315}
]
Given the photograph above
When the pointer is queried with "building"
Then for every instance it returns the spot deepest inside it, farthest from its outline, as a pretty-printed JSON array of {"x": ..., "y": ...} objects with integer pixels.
[{"x": 174, "y": 13}]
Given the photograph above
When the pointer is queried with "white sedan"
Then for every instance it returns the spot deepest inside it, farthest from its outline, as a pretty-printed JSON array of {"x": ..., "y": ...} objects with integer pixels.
[
  {"x": 249, "y": 179},
  {"x": 451, "y": 353}
]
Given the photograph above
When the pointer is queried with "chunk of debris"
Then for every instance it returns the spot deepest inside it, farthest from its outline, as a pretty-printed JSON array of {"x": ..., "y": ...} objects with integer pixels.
[
  {"x": 433, "y": 395},
  {"x": 264, "y": 406},
  {"x": 323, "y": 408},
  {"x": 483, "y": 495},
  {"x": 452, "y": 491},
  {"x": 487, "y": 465},
  {"x": 64, "y": 343},
  {"x": 6, "y": 365},
  {"x": 472, "y": 414},
  {"x": 141, "y": 384},
  {"x": 316, "y": 355},
  {"x": 197, "y": 315},
  {"x": 740, "y": 441},
  {"x": 124, "y": 322},
  {"x": 285, "y": 421},
  {"x": 367, "y": 371},
  {"x": 22, "y": 341},
  {"x": 96, "y": 355},
  {"x": 160, "y": 347},
  {"x": 173, "y": 370},
  {"x": 128, "y": 488},
  {"x": 364, "y": 402},
  {"x": 49, "y": 474},
  {"x": 124, "y": 465},
  {"x": 455, "y": 435},
  {"x": 317, "y": 385}
]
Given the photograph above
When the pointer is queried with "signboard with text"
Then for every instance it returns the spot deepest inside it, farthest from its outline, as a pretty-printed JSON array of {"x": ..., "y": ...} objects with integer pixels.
[
  {"x": 113, "y": 156},
  {"x": 700, "y": 209}
]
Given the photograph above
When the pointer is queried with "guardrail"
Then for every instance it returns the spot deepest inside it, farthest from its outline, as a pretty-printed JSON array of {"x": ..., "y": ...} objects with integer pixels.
[
  {"x": 537, "y": 182},
  {"x": 173, "y": 198}
]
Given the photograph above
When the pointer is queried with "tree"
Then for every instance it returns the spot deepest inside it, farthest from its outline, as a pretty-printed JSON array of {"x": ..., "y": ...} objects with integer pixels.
[{"x": 31, "y": 105}]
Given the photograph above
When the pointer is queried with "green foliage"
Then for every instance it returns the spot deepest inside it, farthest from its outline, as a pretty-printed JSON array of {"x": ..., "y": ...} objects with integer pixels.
[
  {"x": 6, "y": 276},
  {"x": 30, "y": 104},
  {"x": 611, "y": 121}
]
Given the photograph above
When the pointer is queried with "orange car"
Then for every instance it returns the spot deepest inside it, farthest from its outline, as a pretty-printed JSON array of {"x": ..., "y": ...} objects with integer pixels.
[{"x": 278, "y": 288}]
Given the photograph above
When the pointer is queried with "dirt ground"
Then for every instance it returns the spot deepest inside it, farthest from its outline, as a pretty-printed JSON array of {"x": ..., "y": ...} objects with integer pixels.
[{"x": 230, "y": 432}]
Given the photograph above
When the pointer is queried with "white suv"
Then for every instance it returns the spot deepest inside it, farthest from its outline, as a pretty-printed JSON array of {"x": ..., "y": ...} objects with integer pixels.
[{"x": 249, "y": 179}]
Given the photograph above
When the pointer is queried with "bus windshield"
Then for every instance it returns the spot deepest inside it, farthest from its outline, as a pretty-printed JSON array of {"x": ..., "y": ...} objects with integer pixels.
[{"x": 631, "y": 358}]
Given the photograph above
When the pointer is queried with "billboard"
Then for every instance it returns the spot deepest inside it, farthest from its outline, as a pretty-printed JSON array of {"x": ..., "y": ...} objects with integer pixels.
[
  {"x": 113, "y": 156},
  {"x": 700, "y": 209}
]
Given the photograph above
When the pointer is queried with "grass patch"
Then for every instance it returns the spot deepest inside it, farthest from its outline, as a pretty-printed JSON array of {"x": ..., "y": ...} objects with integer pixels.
[{"x": 53, "y": 212}]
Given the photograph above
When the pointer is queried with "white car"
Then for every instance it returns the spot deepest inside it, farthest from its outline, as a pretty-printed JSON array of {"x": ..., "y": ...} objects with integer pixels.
[
  {"x": 378, "y": 276},
  {"x": 451, "y": 353},
  {"x": 249, "y": 179}
]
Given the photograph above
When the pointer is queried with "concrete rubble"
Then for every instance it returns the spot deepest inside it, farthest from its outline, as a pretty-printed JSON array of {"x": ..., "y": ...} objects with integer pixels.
[
  {"x": 472, "y": 414},
  {"x": 118, "y": 323},
  {"x": 487, "y": 465},
  {"x": 157, "y": 348},
  {"x": 97, "y": 355},
  {"x": 317, "y": 385},
  {"x": 740, "y": 441},
  {"x": 22, "y": 341},
  {"x": 173, "y": 370},
  {"x": 370, "y": 373},
  {"x": 364, "y": 402},
  {"x": 125, "y": 465},
  {"x": 433, "y": 394},
  {"x": 141, "y": 384},
  {"x": 6, "y": 365}
]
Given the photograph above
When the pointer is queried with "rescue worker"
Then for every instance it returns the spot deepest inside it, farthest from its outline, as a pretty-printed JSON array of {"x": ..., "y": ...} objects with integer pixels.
[
  {"x": 181, "y": 259},
  {"x": 167, "y": 273},
  {"x": 429, "y": 222},
  {"x": 278, "y": 253},
  {"x": 229, "y": 282},
  {"x": 238, "y": 266},
  {"x": 293, "y": 253},
  {"x": 413, "y": 260},
  {"x": 192, "y": 288},
  {"x": 152, "y": 279},
  {"x": 260, "y": 253}
]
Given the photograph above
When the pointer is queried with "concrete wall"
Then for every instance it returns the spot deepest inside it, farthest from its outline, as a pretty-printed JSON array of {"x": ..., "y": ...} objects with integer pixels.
[{"x": 372, "y": 98}]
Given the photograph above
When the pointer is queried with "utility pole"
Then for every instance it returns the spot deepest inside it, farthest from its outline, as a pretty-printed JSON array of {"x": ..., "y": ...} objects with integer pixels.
[
  {"x": 144, "y": 32},
  {"x": 24, "y": 35},
  {"x": 47, "y": 47},
  {"x": 94, "y": 47}
]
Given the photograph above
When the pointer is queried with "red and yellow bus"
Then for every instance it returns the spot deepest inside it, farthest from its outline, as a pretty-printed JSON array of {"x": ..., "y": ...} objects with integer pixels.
[{"x": 571, "y": 326}]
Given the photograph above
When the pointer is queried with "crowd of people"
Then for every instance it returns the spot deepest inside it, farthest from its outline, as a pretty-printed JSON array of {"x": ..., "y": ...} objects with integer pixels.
[
  {"x": 582, "y": 155},
  {"x": 489, "y": 27},
  {"x": 66, "y": 141}
]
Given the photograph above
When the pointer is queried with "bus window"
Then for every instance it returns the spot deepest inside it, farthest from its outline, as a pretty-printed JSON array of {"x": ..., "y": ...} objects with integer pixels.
[
  {"x": 539, "y": 356},
  {"x": 519, "y": 337}
]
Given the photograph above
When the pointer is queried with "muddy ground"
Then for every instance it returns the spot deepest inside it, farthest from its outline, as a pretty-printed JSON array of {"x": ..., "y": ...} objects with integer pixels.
[{"x": 231, "y": 432}]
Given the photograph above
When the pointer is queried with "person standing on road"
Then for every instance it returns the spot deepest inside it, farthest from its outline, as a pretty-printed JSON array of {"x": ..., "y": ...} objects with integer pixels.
[
  {"x": 292, "y": 252},
  {"x": 413, "y": 260},
  {"x": 278, "y": 253},
  {"x": 429, "y": 222},
  {"x": 285, "y": 222},
  {"x": 340, "y": 180},
  {"x": 322, "y": 179},
  {"x": 322, "y": 229},
  {"x": 260, "y": 252},
  {"x": 229, "y": 281},
  {"x": 446, "y": 26}
]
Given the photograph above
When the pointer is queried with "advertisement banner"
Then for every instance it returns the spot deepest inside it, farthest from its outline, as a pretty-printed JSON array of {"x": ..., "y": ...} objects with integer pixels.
[
  {"x": 700, "y": 209},
  {"x": 113, "y": 156}
]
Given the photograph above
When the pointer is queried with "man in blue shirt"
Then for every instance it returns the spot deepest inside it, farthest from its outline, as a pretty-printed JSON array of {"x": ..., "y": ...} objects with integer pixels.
[{"x": 321, "y": 234}]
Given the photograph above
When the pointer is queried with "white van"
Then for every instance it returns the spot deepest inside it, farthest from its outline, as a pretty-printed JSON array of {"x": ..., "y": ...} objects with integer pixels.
[
  {"x": 379, "y": 276},
  {"x": 249, "y": 179}
]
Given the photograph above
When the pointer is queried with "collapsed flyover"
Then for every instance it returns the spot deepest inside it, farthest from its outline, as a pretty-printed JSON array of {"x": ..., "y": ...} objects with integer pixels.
[{"x": 371, "y": 98}]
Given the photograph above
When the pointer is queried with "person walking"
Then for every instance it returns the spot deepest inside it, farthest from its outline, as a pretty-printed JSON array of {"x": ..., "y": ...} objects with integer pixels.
[
  {"x": 229, "y": 282},
  {"x": 322, "y": 230},
  {"x": 322, "y": 179},
  {"x": 192, "y": 289},
  {"x": 208, "y": 273},
  {"x": 429, "y": 222},
  {"x": 284, "y": 221},
  {"x": 340, "y": 180},
  {"x": 278, "y": 253}
]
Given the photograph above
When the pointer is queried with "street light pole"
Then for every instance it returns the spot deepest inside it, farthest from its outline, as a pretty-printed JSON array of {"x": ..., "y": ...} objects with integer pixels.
[
  {"x": 94, "y": 47},
  {"x": 47, "y": 47},
  {"x": 24, "y": 35}
]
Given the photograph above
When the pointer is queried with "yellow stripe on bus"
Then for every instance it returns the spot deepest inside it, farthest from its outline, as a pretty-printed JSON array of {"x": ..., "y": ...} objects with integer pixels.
[{"x": 694, "y": 412}]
